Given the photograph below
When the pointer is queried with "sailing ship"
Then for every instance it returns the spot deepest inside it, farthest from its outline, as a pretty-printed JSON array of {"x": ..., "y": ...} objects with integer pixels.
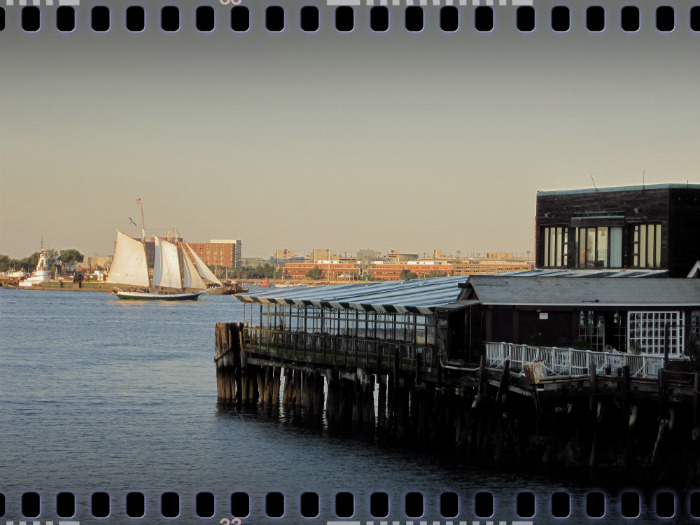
[{"x": 178, "y": 273}]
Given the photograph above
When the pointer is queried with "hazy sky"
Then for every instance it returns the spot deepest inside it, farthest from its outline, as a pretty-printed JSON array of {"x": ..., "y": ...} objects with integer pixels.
[{"x": 407, "y": 141}]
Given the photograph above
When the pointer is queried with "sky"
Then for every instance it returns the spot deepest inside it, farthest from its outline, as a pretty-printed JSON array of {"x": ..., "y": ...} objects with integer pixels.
[{"x": 397, "y": 140}]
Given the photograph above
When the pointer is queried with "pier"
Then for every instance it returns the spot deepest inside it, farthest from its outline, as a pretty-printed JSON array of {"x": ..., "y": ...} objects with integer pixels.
[{"x": 415, "y": 370}]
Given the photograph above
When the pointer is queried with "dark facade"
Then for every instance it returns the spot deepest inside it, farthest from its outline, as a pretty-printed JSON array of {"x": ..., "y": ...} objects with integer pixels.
[
  {"x": 644, "y": 316},
  {"x": 634, "y": 227}
]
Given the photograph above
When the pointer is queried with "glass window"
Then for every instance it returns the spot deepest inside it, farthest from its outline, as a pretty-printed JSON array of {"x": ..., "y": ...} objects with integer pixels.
[
  {"x": 555, "y": 246},
  {"x": 647, "y": 332},
  {"x": 646, "y": 246},
  {"x": 592, "y": 330},
  {"x": 600, "y": 247}
]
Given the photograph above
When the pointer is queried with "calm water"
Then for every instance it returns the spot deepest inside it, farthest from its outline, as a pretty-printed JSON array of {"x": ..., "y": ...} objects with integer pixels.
[{"x": 106, "y": 395}]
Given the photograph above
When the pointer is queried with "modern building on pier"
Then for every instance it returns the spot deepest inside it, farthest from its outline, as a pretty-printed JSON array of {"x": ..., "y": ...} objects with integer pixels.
[
  {"x": 633, "y": 227},
  {"x": 604, "y": 258}
]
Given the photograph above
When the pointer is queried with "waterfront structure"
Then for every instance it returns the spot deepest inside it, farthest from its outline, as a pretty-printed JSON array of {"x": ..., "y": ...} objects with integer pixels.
[
  {"x": 650, "y": 317},
  {"x": 330, "y": 271},
  {"x": 632, "y": 227},
  {"x": 580, "y": 362},
  {"x": 219, "y": 252}
]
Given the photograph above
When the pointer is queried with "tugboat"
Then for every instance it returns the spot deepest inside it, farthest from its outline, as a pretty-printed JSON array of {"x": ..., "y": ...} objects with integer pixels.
[{"x": 40, "y": 274}]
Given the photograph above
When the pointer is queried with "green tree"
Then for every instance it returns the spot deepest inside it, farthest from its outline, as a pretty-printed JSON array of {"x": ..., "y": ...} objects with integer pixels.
[
  {"x": 28, "y": 263},
  {"x": 71, "y": 256},
  {"x": 314, "y": 273},
  {"x": 5, "y": 263},
  {"x": 433, "y": 273},
  {"x": 406, "y": 275}
]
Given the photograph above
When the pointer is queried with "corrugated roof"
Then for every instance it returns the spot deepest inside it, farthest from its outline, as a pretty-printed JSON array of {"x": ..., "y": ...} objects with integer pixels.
[
  {"x": 558, "y": 291},
  {"x": 414, "y": 296},
  {"x": 422, "y": 296},
  {"x": 603, "y": 272}
]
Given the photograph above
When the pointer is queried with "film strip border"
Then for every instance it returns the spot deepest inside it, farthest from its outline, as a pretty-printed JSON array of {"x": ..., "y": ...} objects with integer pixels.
[
  {"x": 413, "y": 505},
  {"x": 275, "y": 19}
]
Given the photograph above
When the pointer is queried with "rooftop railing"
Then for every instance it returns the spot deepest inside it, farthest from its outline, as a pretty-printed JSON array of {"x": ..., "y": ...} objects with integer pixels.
[{"x": 568, "y": 361}]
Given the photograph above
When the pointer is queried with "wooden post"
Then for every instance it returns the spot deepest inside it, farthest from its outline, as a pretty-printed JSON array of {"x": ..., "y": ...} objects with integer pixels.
[
  {"x": 593, "y": 382},
  {"x": 626, "y": 394},
  {"x": 260, "y": 376},
  {"x": 277, "y": 374},
  {"x": 298, "y": 381},
  {"x": 287, "y": 386},
  {"x": 368, "y": 417},
  {"x": 696, "y": 387},
  {"x": 504, "y": 384},
  {"x": 381, "y": 401},
  {"x": 227, "y": 351},
  {"x": 482, "y": 374}
]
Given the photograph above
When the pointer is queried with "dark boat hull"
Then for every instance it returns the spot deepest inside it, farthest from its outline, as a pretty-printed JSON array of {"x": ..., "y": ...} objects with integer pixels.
[{"x": 147, "y": 296}]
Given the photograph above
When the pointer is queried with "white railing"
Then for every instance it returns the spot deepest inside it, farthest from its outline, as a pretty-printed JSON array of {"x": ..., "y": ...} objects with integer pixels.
[{"x": 567, "y": 361}]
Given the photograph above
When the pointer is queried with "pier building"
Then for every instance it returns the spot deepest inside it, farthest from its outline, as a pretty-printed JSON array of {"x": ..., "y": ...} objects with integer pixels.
[
  {"x": 653, "y": 226},
  {"x": 591, "y": 365}
]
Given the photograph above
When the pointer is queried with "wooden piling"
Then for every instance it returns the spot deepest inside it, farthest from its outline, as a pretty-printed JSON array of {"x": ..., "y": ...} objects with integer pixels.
[
  {"x": 226, "y": 357},
  {"x": 592, "y": 386},
  {"x": 381, "y": 401}
]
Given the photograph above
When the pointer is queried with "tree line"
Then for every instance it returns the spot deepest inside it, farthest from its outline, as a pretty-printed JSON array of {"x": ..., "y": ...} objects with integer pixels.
[
  {"x": 66, "y": 258},
  {"x": 261, "y": 271}
]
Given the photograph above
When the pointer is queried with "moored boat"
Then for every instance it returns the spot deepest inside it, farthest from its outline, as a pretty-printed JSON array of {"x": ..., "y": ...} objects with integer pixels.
[{"x": 40, "y": 274}]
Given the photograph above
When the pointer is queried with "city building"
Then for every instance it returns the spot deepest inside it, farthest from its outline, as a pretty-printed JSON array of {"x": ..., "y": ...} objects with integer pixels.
[
  {"x": 324, "y": 254},
  {"x": 219, "y": 252},
  {"x": 333, "y": 271},
  {"x": 631, "y": 227},
  {"x": 484, "y": 267},
  {"x": 392, "y": 272}
]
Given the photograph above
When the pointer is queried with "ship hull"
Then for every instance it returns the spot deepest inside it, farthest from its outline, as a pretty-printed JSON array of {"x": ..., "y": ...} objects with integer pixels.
[{"x": 147, "y": 296}]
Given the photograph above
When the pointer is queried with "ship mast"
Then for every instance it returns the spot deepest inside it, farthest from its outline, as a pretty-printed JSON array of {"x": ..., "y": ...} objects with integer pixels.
[{"x": 143, "y": 241}]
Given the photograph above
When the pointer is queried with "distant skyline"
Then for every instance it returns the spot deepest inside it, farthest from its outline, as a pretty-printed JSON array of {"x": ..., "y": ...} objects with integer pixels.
[{"x": 402, "y": 141}]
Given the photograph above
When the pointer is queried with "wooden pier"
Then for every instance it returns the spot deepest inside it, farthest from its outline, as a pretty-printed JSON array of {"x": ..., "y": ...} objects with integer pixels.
[{"x": 518, "y": 405}]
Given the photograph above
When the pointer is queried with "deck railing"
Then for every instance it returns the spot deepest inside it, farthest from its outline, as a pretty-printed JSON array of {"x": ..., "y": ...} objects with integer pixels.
[
  {"x": 337, "y": 349},
  {"x": 568, "y": 361}
]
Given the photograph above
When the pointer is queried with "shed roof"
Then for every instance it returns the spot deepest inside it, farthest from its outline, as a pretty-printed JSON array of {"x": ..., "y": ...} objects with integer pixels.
[
  {"x": 418, "y": 296},
  {"x": 562, "y": 291},
  {"x": 423, "y": 296}
]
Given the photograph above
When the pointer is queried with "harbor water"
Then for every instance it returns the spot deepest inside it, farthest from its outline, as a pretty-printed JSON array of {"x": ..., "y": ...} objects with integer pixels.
[{"x": 103, "y": 395}]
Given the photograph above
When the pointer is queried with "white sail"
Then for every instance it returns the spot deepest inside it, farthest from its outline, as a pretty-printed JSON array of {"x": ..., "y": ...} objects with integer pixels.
[
  {"x": 129, "y": 264},
  {"x": 190, "y": 277},
  {"x": 205, "y": 272},
  {"x": 166, "y": 271}
]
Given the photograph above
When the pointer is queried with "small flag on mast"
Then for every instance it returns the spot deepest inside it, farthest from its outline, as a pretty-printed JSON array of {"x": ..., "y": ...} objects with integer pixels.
[{"x": 138, "y": 201}]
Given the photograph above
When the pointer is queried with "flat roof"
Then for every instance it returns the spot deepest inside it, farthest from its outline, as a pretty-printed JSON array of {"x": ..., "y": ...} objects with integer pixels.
[
  {"x": 592, "y": 291},
  {"x": 620, "y": 188}
]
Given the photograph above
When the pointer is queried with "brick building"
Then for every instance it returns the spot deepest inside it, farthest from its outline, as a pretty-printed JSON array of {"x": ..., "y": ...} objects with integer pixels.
[
  {"x": 217, "y": 252},
  {"x": 392, "y": 272},
  {"x": 490, "y": 267},
  {"x": 337, "y": 271}
]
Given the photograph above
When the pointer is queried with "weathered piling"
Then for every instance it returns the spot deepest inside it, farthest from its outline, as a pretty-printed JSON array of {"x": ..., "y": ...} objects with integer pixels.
[
  {"x": 227, "y": 359},
  {"x": 603, "y": 418}
]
